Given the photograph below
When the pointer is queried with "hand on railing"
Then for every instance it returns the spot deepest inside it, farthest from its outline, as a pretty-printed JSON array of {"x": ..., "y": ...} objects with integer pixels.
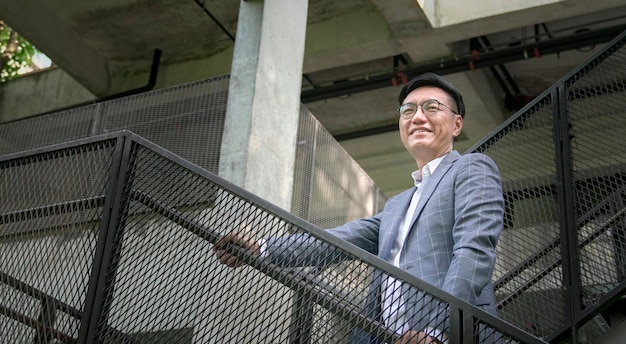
[
  {"x": 415, "y": 337},
  {"x": 224, "y": 248}
]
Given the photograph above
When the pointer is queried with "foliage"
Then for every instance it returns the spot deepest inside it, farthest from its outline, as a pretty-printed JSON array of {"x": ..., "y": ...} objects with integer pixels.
[{"x": 15, "y": 52}]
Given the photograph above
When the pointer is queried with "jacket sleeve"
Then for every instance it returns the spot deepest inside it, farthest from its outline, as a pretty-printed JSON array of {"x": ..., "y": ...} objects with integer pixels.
[
  {"x": 303, "y": 249},
  {"x": 479, "y": 216}
]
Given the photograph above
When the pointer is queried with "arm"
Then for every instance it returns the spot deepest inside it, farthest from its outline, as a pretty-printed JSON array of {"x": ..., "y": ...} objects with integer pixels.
[
  {"x": 306, "y": 250},
  {"x": 299, "y": 250},
  {"x": 479, "y": 216}
]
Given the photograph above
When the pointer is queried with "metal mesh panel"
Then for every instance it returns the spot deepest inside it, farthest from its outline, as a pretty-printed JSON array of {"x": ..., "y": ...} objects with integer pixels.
[
  {"x": 119, "y": 250},
  {"x": 529, "y": 271},
  {"x": 186, "y": 119},
  {"x": 165, "y": 284},
  {"x": 330, "y": 188},
  {"x": 168, "y": 279},
  {"x": 596, "y": 108},
  {"x": 527, "y": 274},
  {"x": 49, "y": 220}
]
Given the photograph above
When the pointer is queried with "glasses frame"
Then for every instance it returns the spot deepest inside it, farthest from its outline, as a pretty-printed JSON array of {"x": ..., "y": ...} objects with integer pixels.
[{"x": 421, "y": 106}]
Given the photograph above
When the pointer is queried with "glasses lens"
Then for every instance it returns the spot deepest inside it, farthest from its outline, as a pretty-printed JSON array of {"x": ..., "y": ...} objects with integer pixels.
[
  {"x": 430, "y": 107},
  {"x": 408, "y": 110}
]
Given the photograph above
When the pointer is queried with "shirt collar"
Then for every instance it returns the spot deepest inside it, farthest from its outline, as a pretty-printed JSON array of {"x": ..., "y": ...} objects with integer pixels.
[{"x": 426, "y": 171}]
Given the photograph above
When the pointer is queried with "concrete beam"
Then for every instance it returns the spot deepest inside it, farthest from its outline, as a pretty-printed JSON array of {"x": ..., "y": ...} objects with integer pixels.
[
  {"x": 356, "y": 36},
  {"x": 55, "y": 38}
]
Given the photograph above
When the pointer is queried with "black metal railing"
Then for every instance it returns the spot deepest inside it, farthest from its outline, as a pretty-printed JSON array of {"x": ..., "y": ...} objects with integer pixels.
[
  {"x": 126, "y": 258},
  {"x": 561, "y": 257},
  {"x": 109, "y": 238}
]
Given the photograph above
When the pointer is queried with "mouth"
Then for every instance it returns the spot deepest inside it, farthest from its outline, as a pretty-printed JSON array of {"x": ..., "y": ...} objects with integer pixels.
[{"x": 419, "y": 130}]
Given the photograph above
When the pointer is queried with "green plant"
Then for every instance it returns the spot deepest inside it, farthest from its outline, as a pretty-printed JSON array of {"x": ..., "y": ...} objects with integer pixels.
[{"x": 15, "y": 52}]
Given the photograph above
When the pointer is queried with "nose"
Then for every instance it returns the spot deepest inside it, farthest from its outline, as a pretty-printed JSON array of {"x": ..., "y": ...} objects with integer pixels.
[{"x": 419, "y": 113}]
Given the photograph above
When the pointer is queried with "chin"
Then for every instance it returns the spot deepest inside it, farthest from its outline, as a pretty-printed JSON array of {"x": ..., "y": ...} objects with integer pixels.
[{"x": 419, "y": 143}]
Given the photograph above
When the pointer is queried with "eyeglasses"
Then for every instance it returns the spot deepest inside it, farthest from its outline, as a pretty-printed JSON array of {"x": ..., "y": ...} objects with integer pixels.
[{"x": 429, "y": 107}]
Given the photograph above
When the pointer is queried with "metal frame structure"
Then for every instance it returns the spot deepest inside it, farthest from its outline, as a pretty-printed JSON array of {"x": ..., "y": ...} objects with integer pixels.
[
  {"x": 596, "y": 88},
  {"x": 108, "y": 238},
  {"x": 105, "y": 282}
]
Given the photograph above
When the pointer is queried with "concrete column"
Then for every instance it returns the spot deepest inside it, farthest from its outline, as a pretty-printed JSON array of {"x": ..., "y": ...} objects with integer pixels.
[{"x": 259, "y": 142}]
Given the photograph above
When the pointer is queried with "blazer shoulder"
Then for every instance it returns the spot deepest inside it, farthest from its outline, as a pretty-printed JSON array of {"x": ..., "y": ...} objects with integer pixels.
[{"x": 476, "y": 157}]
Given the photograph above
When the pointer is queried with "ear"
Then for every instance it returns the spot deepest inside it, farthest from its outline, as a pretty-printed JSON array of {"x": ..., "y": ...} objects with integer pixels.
[{"x": 458, "y": 125}]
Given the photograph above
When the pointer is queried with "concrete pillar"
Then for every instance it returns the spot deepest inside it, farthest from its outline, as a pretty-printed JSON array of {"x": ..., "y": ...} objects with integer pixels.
[{"x": 259, "y": 142}]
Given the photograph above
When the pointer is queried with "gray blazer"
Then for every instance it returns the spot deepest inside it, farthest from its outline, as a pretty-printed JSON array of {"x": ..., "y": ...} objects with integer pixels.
[{"x": 452, "y": 240}]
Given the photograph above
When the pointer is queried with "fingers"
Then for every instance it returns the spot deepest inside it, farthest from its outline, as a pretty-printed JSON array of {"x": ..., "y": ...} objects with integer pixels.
[
  {"x": 222, "y": 254},
  {"x": 232, "y": 239},
  {"x": 228, "y": 259},
  {"x": 224, "y": 241},
  {"x": 415, "y": 337}
]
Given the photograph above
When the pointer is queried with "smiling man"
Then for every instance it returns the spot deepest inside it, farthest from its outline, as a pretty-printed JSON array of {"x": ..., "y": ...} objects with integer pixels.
[
  {"x": 443, "y": 230},
  {"x": 452, "y": 218}
]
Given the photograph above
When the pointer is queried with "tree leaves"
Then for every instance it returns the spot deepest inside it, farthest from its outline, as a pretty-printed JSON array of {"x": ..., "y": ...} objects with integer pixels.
[{"x": 15, "y": 53}]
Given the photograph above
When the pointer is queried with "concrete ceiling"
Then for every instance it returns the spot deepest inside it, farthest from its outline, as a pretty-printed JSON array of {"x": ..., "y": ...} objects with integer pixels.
[{"x": 356, "y": 54}]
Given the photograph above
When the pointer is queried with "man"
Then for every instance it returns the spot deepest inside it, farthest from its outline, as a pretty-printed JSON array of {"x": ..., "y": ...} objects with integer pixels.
[{"x": 443, "y": 230}]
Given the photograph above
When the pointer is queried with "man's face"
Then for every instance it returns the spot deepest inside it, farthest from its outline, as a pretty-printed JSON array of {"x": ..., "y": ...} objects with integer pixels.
[{"x": 427, "y": 137}]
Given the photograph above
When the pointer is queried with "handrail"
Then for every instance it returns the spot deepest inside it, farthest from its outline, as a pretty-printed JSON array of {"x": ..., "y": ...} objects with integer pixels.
[
  {"x": 286, "y": 277},
  {"x": 51, "y": 209}
]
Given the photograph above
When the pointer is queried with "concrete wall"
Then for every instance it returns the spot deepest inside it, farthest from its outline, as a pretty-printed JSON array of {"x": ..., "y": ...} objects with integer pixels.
[{"x": 40, "y": 92}]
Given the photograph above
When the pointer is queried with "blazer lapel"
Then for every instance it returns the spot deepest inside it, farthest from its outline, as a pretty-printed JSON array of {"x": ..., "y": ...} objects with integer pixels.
[
  {"x": 403, "y": 199},
  {"x": 431, "y": 185}
]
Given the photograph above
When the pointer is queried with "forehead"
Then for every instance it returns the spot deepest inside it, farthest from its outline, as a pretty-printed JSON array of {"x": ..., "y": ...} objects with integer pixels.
[{"x": 426, "y": 92}]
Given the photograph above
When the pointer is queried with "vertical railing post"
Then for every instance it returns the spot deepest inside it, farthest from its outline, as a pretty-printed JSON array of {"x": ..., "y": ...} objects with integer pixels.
[
  {"x": 458, "y": 322},
  {"x": 106, "y": 249},
  {"x": 568, "y": 218},
  {"x": 618, "y": 237},
  {"x": 47, "y": 317}
]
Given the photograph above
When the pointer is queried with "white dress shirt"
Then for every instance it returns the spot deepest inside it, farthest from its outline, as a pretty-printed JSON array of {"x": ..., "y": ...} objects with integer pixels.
[{"x": 393, "y": 304}]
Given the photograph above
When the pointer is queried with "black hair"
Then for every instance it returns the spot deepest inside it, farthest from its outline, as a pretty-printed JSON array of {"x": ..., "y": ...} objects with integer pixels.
[{"x": 432, "y": 79}]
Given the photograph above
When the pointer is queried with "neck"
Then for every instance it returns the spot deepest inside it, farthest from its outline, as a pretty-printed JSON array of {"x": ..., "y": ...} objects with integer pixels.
[{"x": 422, "y": 161}]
